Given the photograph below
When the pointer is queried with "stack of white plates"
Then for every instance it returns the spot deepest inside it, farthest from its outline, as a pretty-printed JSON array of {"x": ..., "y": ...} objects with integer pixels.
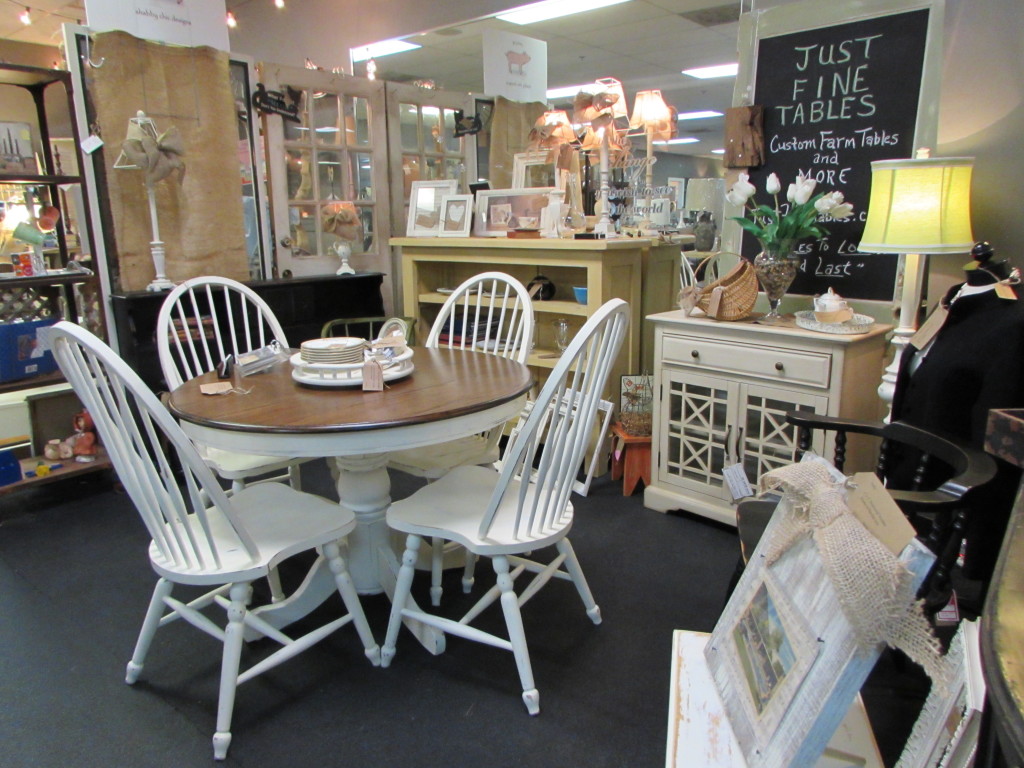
[{"x": 338, "y": 350}]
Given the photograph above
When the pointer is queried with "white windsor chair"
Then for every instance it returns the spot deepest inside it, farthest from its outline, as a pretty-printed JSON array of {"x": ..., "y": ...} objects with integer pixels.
[
  {"x": 525, "y": 507},
  {"x": 224, "y": 543},
  {"x": 489, "y": 312},
  {"x": 201, "y": 322}
]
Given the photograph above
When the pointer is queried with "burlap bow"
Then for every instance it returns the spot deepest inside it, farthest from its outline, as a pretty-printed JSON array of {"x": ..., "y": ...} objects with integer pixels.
[
  {"x": 875, "y": 590},
  {"x": 341, "y": 220},
  {"x": 158, "y": 157}
]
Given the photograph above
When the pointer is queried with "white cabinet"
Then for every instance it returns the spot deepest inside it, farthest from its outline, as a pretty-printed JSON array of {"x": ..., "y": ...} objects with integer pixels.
[{"x": 722, "y": 391}]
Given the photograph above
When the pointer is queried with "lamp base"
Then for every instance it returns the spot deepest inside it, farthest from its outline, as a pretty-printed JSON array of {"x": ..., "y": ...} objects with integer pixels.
[{"x": 160, "y": 284}]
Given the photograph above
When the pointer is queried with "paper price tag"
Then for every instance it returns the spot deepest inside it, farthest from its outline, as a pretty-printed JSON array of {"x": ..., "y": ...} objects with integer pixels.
[
  {"x": 373, "y": 376},
  {"x": 736, "y": 481},
  {"x": 91, "y": 143},
  {"x": 929, "y": 328},
  {"x": 219, "y": 388},
  {"x": 876, "y": 510}
]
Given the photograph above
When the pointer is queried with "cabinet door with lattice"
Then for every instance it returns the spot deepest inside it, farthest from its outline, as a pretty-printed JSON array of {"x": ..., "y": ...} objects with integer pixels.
[
  {"x": 764, "y": 440},
  {"x": 698, "y": 416}
]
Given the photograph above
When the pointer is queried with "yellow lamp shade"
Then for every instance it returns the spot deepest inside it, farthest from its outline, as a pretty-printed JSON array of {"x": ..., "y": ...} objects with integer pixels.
[
  {"x": 919, "y": 206},
  {"x": 651, "y": 113}
]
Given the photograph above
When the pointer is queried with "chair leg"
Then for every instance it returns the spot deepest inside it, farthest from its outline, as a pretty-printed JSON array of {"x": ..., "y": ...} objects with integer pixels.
[
  {"x": 436, "y": 570},
  {"x": 236, "y": 486},
  {"x": 572, "y": 565},
  {"x": 403, "y": 585},
  {"x": 233, "y": 636},
  {"x": 516, "y": 634},
  {"x": 468, "y": 572},
  {"x": 149, "y": 627},
  {"x": 348, "y": 595},
  {"x": 295, "y": 477},
  {"x": 276, "y": 590}
]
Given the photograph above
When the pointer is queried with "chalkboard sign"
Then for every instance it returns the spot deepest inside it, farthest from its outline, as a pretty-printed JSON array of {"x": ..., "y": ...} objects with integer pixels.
[{"x": 837, "y": 98}]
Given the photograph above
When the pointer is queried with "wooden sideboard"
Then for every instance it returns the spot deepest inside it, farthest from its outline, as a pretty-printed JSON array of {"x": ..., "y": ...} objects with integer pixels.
[{"x": 301, "y": 304}]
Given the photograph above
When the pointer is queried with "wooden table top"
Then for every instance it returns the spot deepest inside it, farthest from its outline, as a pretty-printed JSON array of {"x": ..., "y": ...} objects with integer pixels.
[{"x": 445, "y": 384}]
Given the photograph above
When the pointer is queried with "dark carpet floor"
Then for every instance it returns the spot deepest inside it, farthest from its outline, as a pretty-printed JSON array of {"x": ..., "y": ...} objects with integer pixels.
[{"x": 75, "y": 581}]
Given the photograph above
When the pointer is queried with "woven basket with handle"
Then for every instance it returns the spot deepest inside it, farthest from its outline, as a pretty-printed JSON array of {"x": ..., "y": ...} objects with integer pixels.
[{"x": 729, "y": 297}]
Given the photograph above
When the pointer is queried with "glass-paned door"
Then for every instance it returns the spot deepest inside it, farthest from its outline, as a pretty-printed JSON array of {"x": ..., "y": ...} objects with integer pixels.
[
  {"x": 328, "y": 173},
  {"x": 698, "y": 416},
  {"x": 766, "y": 441},
  {"x": 422, "y": 146}
]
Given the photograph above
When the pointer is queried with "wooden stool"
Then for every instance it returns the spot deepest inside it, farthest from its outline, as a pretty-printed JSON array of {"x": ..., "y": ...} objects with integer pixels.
[{"x": 631, "y": 460}]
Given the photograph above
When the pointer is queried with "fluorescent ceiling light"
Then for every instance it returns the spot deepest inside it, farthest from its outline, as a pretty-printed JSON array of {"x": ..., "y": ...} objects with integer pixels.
[
  {"x": 383, "y": 48},
  {"x": 552, "y": 9},
  {"x": 565, "y": 90},
  {"x": 699, "y": 115},
  {"x": 720, "y": 70},
  {"x": 686, "y": 140},
  {"x": 718, "y": 151}
]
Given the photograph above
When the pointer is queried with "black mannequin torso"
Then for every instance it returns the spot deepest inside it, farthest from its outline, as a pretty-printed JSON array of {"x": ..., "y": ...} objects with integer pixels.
[{"x": 974, "y": 363}]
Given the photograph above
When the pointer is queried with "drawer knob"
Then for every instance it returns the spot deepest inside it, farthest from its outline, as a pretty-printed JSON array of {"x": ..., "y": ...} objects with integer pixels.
[
  {"x": 779, "y": 366},
  {"x": 694, "y": 354}
]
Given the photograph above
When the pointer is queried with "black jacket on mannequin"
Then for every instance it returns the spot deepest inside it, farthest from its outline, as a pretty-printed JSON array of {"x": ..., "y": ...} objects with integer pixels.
[{"x": 974, "y": 363}]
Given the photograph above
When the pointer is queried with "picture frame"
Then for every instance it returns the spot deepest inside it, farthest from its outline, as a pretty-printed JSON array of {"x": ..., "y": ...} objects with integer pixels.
[
  {"x": 424, "y": 218},
  {"x": 946, "y": 732},
  {"x": 499, "y": 211},
  {"x": 456, "y": 215},
  {"x": 536, "y": 169},
  {"x": 17, "y": 149},
  {"x": 822, "y": 690}
]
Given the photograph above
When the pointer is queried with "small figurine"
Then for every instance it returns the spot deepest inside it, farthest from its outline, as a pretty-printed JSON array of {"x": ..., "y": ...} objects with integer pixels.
[{"x": 85, "y": 448}]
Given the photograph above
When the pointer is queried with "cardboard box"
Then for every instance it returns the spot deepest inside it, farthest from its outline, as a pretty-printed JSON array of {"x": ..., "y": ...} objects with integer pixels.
[{"x": 21, "y": 351}]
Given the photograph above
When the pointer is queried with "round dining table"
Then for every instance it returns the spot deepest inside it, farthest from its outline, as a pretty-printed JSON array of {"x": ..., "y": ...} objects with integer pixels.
[{"x": 449, "y": 394}]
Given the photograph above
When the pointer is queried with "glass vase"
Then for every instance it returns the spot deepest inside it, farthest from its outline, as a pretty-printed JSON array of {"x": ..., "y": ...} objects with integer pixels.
[{"x": 775, "y": 267}]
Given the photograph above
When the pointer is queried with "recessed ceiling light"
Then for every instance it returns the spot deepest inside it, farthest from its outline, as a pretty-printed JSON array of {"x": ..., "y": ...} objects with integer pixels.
[
  {"x": 552, "y": 9},
  {"x": 699, "y": 115},
  {"x": 383, "y": 48},
  {"x": 565, "y": 90},
  {"x": 719, "y": 70},
  {"x": 681, "y": 140}
]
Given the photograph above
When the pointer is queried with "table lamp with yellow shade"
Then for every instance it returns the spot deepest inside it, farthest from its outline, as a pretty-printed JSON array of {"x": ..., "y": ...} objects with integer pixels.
[{"x": 917, "y": 207}]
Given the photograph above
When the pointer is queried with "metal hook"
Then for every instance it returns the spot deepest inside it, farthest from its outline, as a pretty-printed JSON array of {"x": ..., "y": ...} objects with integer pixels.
[{"x": 88, "y": 55}]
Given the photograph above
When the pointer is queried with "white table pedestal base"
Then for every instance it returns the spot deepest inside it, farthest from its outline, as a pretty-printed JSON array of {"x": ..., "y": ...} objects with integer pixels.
[{"x": 364, "y": 487}]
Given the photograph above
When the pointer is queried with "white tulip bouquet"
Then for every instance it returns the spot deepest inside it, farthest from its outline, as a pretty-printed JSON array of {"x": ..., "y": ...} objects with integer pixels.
[{"x": 778, "y": 228}]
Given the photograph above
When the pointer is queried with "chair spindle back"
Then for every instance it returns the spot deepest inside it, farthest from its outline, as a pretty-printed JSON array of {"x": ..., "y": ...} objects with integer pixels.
[
  {"x": 550, "y": 447},
  {"x": 142, "y": 439},
  {"x": 204, "y": 320}
]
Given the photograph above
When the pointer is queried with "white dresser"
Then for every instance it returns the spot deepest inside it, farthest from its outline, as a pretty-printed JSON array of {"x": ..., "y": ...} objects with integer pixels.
[{"x": 721, "y": 393}]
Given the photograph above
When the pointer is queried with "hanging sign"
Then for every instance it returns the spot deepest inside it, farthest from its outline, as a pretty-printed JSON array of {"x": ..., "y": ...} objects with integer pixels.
[
  {"x": 277, "y": 103},
  {"x": 515, "y": 66},
  {"x": 179, "y": 22}
]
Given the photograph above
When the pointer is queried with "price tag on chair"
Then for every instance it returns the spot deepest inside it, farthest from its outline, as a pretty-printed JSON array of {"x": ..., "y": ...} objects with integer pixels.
[
  {"x": 876, "y": 510},
  {"x": 736, "y": 480}
]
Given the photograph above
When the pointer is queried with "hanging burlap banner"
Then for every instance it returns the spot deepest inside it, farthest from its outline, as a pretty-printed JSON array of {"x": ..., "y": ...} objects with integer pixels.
[{"x": 200, "y": 219}]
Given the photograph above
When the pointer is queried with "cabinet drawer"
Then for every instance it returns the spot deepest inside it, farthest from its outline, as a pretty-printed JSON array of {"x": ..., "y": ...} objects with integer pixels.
[{"x": 781, "y": 365}]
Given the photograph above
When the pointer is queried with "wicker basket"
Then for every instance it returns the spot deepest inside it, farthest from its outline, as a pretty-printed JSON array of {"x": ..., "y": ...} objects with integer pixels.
[{"x": 730, "y": 297}]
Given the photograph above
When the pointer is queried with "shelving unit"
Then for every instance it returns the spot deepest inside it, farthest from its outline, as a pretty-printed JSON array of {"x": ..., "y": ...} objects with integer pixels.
[
  {"x": 72, "y": 285},
  {"x": 642, "y": 273},
  {"x": 30, "y": 180}
]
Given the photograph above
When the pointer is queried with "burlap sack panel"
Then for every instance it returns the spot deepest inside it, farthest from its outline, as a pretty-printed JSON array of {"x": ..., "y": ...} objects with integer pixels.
[{"x": 200, "y": 218}]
